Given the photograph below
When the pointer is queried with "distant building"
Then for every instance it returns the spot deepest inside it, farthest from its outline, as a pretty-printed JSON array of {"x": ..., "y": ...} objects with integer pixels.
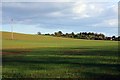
[{"x": 108, "y": 38}]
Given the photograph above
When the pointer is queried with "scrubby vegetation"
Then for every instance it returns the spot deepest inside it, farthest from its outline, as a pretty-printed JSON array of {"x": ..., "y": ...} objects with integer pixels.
[{"x": 84, "y": 35}]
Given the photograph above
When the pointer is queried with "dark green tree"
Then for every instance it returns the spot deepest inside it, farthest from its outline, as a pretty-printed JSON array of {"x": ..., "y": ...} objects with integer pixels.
[
  {"x": 39, "y": 33},
  {"x": 113, "y": 37}
]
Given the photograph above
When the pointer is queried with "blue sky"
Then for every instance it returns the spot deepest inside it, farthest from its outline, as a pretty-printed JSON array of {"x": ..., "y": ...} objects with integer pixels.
[{"x": 48, "y": 17}]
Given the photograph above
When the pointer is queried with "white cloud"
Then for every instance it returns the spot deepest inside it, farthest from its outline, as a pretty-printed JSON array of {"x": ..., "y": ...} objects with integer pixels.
[
  {"x": 112, "y": 22},
  {"x": 85, "y": 10},
  {"x": 80, "y": 8},
  {"x": 70, "y": 16},
  {"x": 114, "y": 7}
]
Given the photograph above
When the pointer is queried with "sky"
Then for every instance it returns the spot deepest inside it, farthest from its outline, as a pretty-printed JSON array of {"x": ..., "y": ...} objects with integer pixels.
[{"x": 67, "y": 16}]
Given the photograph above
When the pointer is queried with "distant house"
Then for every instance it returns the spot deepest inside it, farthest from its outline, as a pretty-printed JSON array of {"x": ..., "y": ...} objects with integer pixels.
[{"x": 108, "y": 38}]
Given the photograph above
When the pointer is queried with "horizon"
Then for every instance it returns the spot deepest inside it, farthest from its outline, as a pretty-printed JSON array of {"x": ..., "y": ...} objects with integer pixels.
[
  {"x": 49, "y": 17},
  {"x": 54, "y": 33}
]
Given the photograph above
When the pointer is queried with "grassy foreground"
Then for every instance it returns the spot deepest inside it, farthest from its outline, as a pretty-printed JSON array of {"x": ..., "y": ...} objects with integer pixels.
[{"x": 33, "y": 56}]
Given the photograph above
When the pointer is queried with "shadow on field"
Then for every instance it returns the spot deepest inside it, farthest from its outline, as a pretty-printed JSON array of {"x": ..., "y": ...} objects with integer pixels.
[
  {"x": 88, "y": 67},
  {"x": 101, "y": 76},
  {"x": 62, "y": 61},
  {"x": 91, "y": 51}
]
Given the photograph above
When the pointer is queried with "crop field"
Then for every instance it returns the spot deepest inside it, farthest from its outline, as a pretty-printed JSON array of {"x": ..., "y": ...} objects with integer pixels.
[{"x": 38, "y": 56}]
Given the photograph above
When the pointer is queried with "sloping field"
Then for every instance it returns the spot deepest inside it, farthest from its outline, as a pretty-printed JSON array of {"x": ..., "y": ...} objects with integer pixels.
[
  {"x": 38, "y": 56},
  {"x": 39, "y": 41}
]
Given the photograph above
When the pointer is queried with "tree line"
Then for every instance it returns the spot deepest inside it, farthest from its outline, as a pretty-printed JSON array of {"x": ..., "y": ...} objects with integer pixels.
[{"x": 83, "y": 35}]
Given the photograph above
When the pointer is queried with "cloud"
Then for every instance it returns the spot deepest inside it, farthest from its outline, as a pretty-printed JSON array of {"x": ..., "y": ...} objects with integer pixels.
[
  {"x": 60, "y": 0},
  {"x": 84, "y": 10},
  {"x": 35, "y": 11},
  {"x": 112, "y": 22},
  {"x": 109, "y": 23},
  {"x": 74, "y": 16},
  {"x": 0, "y": 13}
]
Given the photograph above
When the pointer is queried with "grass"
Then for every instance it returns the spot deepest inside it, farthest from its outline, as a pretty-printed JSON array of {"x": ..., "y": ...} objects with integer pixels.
[{"x": 33, "y": 56}]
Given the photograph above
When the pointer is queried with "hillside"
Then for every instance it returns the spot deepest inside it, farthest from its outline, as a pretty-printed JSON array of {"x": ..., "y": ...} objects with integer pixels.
[
  {"x": 39, "y": 41},
  {"x": 33, "y": 56},
  {"x": 29, "y": 37}
]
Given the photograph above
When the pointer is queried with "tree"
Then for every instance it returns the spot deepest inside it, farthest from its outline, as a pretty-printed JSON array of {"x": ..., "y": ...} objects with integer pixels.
[
  {"x": 76, "y": 36},
  {"x": 72, "y": 34},
  {"x": 83, "y": 35},
  {"x": 108, "y": 38},
  {"x": 55, "y": 33},
  {"x": 67, "y": 35},
  {"x": 113, "y": 37},
  {"x": 39, "y": 33},
  {"x": 118, "y": 38},
  {"x": 58, "y": 34},
  {"x": 47, "y": 34}
]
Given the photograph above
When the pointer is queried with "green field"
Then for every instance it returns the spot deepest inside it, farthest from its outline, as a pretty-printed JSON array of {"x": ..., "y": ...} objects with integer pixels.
[{"x": 37, "y": 56}]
